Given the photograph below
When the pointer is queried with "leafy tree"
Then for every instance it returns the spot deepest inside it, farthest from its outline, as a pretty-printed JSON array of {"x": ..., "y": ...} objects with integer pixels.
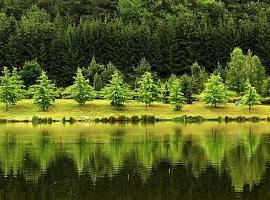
[
  {"x": 147, "y": 90},
  {"x": 199, "y": 78},
  {"x": 215, "y": 92},
  {"x": 30, "y": 72},
  {"x": 44, "y": 92},
  {"x": 254, "y": 71},
  {"x": 251, "y": 97},
  {"x": 143, "y": 67},
  {"x": 98, "y": 83},
  {"x": 81, "y": 91},
  {"x": 116, "y": 90},
  {"x": 19, "y": 91},
  {"x": 236, "y": 73},
  {"x": 186, "y": 86},
  {"x": 266, "y": 87},
  {"x": 93, "y": 69},
  {"x": 176, "y": 96},
  {"x": 7, "y": 88}
]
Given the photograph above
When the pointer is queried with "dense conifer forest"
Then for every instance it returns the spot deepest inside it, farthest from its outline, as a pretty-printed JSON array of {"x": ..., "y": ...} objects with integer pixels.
[{"x": 62, "y": 35}]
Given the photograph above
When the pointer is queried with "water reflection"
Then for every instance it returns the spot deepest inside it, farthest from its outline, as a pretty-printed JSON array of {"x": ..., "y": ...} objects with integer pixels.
[{"x": 161, "y": 161}]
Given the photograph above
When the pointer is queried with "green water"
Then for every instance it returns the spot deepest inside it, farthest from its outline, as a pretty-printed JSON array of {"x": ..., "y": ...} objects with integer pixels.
[{"x": 154, "y": 161}]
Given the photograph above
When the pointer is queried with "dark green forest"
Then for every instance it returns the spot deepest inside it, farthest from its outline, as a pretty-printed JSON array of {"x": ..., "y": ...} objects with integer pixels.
[{"x": 62, "y": 35}]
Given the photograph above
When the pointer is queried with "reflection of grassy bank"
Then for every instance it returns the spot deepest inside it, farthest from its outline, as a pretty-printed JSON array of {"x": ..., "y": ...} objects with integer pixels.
[{"x": 25, "y": 110}]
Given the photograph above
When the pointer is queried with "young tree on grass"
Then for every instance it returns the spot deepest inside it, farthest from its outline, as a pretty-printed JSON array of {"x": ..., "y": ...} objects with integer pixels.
[
  {"x": 116, "y": 90},
  {"x": 81, "y": 91},
  {"x": 7, "y": 91},
  {"x": 251, "y": 97},
  {"x": 19, "y": 91},
  {"x": 147, "y": 90},
  {"x": 176, "y": 96},
  {"x": 186, "y": 87},
  {"x": 215, "y": 91},
  {"x": 44, "y": 92}
]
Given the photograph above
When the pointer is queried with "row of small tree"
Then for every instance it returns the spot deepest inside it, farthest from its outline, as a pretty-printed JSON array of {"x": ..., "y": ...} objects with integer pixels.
[{"x": 175, "y": 91}]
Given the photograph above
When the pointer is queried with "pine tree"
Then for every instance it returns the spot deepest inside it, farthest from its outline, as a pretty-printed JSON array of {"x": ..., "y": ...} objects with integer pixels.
[
  {"x": 81, "y": 91},
  {"x": 19, "y": 91},
  {"x": 186, "y": 86},
  {"x": 44, "y": 92},
  {"x": 97, "y": 84},
  {"x": 236, "y": 71},
  {"x": 176, "y": 96},
  {"x": 215, "y": 92},
  {"x": 116, "y": 90},
  {"x": 7, "y": 91},
  {"x": 199, "y": 78},
  {"x": 251, "y": 97},
  {"x": 147, "y": 89}
]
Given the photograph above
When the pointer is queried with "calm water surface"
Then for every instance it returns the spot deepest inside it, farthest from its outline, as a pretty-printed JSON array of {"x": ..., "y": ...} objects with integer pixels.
[{"x": 160, "y": 161}]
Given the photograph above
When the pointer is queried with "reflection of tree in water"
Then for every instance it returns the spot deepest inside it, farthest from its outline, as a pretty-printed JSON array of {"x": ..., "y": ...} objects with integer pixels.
[{"x": 243, "y": 158}]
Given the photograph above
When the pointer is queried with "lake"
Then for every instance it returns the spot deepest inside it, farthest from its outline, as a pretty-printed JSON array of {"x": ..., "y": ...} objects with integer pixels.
[{"x": 135, "y": 161}]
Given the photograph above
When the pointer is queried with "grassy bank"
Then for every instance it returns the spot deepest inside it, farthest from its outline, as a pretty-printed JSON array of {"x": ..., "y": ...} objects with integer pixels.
[{"x": 25, "y": 110}]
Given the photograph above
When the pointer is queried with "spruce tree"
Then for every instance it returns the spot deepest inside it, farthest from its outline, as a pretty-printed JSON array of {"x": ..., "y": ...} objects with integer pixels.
[
  {"x": 199, "y": 78},
  {"x": 186, "y": 86},
  {"x": 7, "y": 88},
  {"x": 81, "y": 91},
  {"x": 19, "y": 91},
  {"x": 251, "y": 97},
  {"x": 98, "y": 83},
  {"x": 44, "y": 92},
  {"x": 147, "y": 90},
  {"x": 176, "y": 96},
  {"x": 116, "y": 90},
  {"x": 215, "y": 91}
]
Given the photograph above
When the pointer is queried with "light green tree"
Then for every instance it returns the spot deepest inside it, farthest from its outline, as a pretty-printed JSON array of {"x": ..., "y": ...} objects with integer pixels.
[
  {"x": 236, "y": 71},
  {"x": 44, "y": 92},
  {"x": 176, "y": 96},
  {"x": 215, "y": 91},
  {"x": 19, "y": 91},
  {"x": 147, "y": 90},
  {"x": 199, "y": 78},
  {"x": 116, "y": 90},
  {"x": 81, "y": 91},
  {"x": 251, "y": 97},
  {"x": 7, "y": 91}
]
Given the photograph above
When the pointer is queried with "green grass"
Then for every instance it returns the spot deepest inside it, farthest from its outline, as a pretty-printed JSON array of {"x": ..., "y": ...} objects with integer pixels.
[{"x": 101, "y": 108}]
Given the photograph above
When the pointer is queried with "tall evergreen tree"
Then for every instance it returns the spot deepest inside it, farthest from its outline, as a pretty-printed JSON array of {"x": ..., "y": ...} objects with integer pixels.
[
  {"x": 176, "y": 96},
  {"x": 44, "y": 92},
  {"x": 81, "y": 91},
  {"x": 7, "y": 88},
  {"x": 186, "y": 86},
  {"x": 215, "y": 92},
  {"x": 116, "y": 90},
  {"x": 251, "y": 97},
  {"x": 147, "y": 90},
  {"x": 199, "y": 78},
  {"x": 236, "y": 71},
  {"x": 19, "y": 91}
]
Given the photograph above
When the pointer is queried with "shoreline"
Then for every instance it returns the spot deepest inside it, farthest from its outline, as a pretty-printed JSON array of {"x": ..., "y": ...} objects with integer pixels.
[{"x": 136, "y": 119}]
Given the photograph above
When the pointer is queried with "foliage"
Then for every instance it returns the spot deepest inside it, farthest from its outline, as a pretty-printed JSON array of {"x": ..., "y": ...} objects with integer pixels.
[
  {"x": 251, "y": 97},
  {"x": 30, "y": 72},
  {"x": 176, "y": 96},
  {"x": 7, "y": 92},
  {"x": 266, "y": 87},
  {"x": 44, "y": 92},
  {"x": 199, "y": 78},
  {"x": 116, "y": 90},
  {"x": 147, "y": 90},
  {"x": 187, "y": 88},
  {"x": 215, "y": 92},
  {"x": 80, "y": 91},
  {"x": 19, "y": 92}
]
